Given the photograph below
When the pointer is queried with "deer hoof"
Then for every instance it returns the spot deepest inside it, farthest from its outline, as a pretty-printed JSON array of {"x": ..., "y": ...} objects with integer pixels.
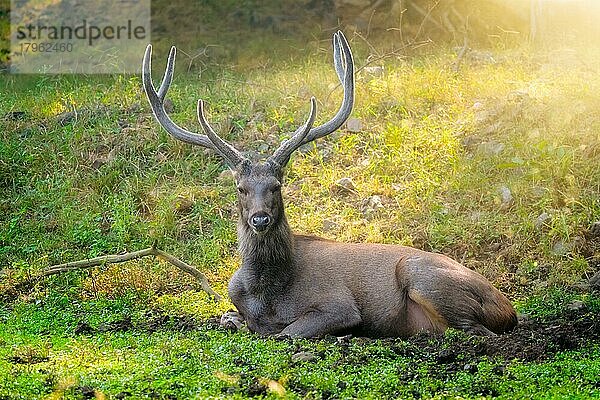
[{"x": 232, "y": 320}]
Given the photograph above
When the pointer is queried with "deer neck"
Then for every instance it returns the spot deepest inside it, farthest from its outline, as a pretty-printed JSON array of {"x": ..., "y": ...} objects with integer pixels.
[{"x": 268, "y": 256}]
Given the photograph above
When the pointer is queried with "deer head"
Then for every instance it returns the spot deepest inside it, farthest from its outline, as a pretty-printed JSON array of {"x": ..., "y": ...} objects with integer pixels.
[{"x": 260, "y": 204}]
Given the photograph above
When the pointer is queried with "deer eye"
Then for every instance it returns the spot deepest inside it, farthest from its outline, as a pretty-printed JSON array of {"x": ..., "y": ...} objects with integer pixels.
[{"x": 241, "y": 190}]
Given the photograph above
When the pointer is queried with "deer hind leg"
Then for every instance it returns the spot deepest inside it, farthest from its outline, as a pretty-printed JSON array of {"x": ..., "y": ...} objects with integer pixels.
[
  {"x": 422, "y": 314},
  {"x": 449, "y": 295},
  {"x": 436, "y": 314}
]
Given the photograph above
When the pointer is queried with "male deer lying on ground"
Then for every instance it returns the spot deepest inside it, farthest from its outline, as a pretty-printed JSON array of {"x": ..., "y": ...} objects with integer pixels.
[{"x": 308, "y": 286}]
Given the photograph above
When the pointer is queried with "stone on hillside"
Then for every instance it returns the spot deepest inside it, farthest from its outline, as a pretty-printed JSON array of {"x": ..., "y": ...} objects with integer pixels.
[
  {"x": 506, "y": 197},
  {"x": 329, "y": 225},
  {"x": 541, "y": 220},
  {"x": 371, "y": 205},
  {"x": 354, "y": 125},
  {"x": 344, "y": 186},
  {"x": 560, "y": 248},
  {"x": 376, "y": 70},
  {"x": 576, "y": 305},
  {"x": 303, "y": 356}
]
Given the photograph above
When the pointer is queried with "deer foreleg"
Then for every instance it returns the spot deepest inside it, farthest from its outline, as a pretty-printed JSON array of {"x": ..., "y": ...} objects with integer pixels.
[{"x": 316, "y": 323}]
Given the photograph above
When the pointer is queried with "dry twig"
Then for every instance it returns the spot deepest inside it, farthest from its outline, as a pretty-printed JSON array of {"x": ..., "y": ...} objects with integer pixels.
[{"x": 119, "y": 258}]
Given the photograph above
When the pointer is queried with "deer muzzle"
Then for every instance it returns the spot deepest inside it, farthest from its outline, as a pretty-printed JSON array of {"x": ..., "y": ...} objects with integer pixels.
[{"x": 260, "y": 222}]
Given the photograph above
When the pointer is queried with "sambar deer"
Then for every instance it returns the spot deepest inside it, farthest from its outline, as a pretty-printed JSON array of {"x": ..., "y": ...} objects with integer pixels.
[{"x": 308, "y": 286}]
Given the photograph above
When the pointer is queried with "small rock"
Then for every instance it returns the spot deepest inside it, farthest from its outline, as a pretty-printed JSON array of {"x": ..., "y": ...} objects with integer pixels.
[
  {"x": 576, "y": 305},
  {"x": 231, "y": 320},
  {"x": 303, "y": 356},
  {"x": 538, "y": 191},
  {"x": 168, "y": 105},
  {"x": 476, "y": 216},
  {"x": 344, "y": 186},
  {"x": 374, "y": 202},
  {"x": 263, "y": 147},
  {"x": 354, "y": 125},
  {"x": 541, "y": 220},
  {"x": 506, "y": 197},
  {"x": 329, "y": 225},
  {"x": 371, "y": 205},
  {"x": 560, "y": 248},
  {"x": 376, "y": 70}
]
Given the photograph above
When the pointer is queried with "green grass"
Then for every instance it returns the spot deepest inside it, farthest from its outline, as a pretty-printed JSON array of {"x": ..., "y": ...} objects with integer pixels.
[
  {"x": 53, "y": 359},
  {"x": 437, "y": 147}
]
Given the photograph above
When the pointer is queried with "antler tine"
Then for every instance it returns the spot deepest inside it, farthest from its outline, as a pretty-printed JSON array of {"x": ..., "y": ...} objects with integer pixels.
[
  {"x": 156, "y": 100},
  {"x": 168, "y": 78},
  {"x": 232, "y": 156},
  {"x": 285, "y": 150},
  {"x": 338, "y": 62},
  {"x": 344, "y": 68}
]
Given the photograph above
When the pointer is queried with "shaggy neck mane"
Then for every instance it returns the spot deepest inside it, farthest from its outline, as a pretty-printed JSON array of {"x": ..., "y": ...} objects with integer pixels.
[{"x": 269, "y": 256}]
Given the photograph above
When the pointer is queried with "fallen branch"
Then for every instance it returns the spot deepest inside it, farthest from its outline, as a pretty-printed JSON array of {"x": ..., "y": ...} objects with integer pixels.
[{"x": 119, "y": 258}]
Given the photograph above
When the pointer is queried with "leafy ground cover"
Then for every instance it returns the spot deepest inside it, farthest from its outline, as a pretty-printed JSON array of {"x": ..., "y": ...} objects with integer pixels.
[{"x": 494, "y": 164}]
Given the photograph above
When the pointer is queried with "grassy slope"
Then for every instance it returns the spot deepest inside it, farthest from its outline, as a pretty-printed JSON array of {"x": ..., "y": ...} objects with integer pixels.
[{"x": 436, "y": 146}]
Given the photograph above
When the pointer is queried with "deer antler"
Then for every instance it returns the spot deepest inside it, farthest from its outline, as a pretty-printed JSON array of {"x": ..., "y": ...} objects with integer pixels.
[
  {"x": 224, "y": 148},
  {"x": 344, "y": 68},
  {"x": 283, "y": 153},
  {"x": 156, "y": 99}
]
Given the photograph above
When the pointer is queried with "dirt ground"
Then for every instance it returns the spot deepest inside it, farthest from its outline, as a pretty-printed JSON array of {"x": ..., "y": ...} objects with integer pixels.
[{"x": 531, "y": 340}]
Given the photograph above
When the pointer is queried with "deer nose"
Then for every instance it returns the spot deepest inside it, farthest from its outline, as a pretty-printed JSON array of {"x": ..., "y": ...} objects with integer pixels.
[{"x": 260, "y": 222}]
